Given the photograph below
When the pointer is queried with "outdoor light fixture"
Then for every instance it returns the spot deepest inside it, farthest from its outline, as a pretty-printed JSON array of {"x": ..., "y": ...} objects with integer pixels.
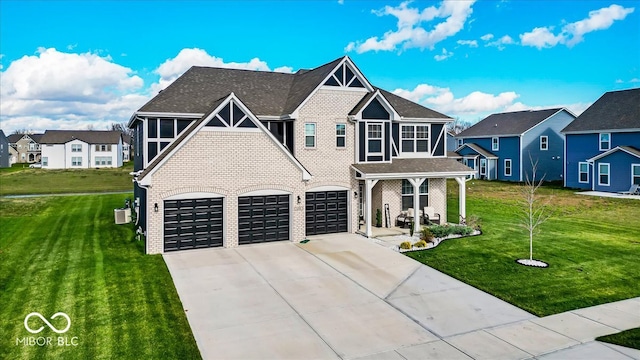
[
  {"x": 155, "y": 207},
  {"x": 355, "y": 194},
  {"x": 299, "y": 199}
]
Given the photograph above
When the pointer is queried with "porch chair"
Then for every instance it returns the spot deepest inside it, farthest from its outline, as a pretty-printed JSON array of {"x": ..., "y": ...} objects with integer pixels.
[
  {"x": 430, "y": 215},
  {"x": 405, "y": 217},
  {"x": 633, "y": 190}
]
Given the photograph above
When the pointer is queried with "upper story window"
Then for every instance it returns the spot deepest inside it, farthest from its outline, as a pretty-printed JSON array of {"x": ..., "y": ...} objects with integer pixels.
[
  {"x": 103, "y": 147},
  {"x": 344, "y": 76},
  {"x": 605, "y": 141},
  {"x": 341, "y": 135},
  {"x": 160, "y": 133},
  {"x": 460, "y": 142},
  {"x": 76, "y": 147},
  {"x": 415, "y": 138},
  {"x": 33, "y": 146},
  {"x": 495, "y": 144},
  {"x": 374, "y": 138},
  {"x": 310, "y": 135},
  {"x": 544, "y": 143}
]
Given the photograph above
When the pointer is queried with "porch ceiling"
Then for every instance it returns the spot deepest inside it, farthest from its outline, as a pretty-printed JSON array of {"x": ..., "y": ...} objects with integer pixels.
[{"x": 403, "y": 168}]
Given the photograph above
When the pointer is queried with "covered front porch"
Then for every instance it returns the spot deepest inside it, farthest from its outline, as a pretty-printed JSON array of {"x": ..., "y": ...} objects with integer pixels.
[{"x": 397, "y": 186}]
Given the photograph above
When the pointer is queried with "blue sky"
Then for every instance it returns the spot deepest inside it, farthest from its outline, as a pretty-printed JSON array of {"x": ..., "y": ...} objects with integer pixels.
[{"x": 70, "y": 65}]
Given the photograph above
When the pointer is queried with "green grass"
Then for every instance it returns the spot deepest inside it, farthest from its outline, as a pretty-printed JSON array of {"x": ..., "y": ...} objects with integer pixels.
[
  {"x": 592, "y": 246},
  {"x": 17, "y": 180},
  {"x": 65, "y": 254},
  {"x": 629, "y": 338}
]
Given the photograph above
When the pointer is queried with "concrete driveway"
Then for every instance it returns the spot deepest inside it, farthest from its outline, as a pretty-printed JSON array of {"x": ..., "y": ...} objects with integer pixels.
[{"x": 342, "y": 296}]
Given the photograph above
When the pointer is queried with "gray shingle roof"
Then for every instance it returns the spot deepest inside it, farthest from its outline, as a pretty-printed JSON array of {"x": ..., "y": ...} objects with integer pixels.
[
  {"x": 264, "y": 93},
  {"x": 88, "y": 136},
  {"x": 615, "y": 110},
  {"x": 511, "y": 123},
  {"x": 479, "y": 149},
  {"x": 13, "y": 138},
  {"x": 433, "y": 166}
]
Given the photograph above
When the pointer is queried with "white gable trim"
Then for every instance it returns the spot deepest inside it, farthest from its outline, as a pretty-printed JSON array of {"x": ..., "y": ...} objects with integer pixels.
[
  {"x": 549, "y": 117},
  {"x": 355, "y": 70},
  {"x": 394, "y": 114},
  {"x": 163, "y": 115},
  {"x": 609, "y": 152},
  {"x": 305, "y": 174},
  {"x": 597, "y": 131}
]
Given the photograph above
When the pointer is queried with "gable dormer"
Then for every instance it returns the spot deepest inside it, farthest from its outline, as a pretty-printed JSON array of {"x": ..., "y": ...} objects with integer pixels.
[
  {"x": 346, "y": 75},
  {"x": 373, "y": 115}
]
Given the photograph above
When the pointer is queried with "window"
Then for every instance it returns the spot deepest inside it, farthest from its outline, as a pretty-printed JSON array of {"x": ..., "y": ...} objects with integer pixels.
[
  {"x": 460, "y": 142},
  {"x": 415, "y": 138},
  {"x": 103, "y": 148},
  {"x": 341, "y": 135},
  {"x": 374, "y": 134},
  {"x": 32, "y": 146},
  {"x": 507, "y": 167},
  {"x": 544, "y": 143},
  {"x": 76, "y": 147},
  {"x": 103, "y": 160},
  {"x": 76, "y": 161},
  {"x": 166, "y": 128},
  {"x": 603, "y": 174},
  {"x": 407, "y": 194},
  {"x": 23, "y": 156},
  {"x": 635, "y": 174},
  {"x": 483, "y": 166},
  {"x": 583, "y": 172},
  {"x": 310, "y": 135},
  {"x": 605, "y": 141},
  {"x": 45, "y": 161},
  {"x": 495, "y": 144}
]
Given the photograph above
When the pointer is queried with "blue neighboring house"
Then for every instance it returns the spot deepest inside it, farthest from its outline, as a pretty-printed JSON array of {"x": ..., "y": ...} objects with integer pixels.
[
  {"x": 498, "y": 147},
  {"x": 603, "y": 144}
]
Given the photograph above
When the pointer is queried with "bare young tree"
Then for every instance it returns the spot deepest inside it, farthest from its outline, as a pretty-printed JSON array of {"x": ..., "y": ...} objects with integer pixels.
[
  {"x": 457, "y": 125},
  {"x": 122, "y": 127},
  {"x": 534, "y": 211}
]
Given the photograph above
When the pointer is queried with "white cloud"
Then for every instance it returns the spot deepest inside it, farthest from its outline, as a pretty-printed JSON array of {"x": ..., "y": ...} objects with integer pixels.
[
  {"x": 575, "y": 108},
  {"x": 411, "y": 33},
  {"x": 470, "y": 43},
  {"x": 284, "y": 69},
  {"x": 573, "y": 33},
  {"x": 341, "y": 2},
  {"x": 634, "y": 80},
  {"x": 445, "y": 55},
  {"x": 500, "y": 43},
  {"x": 486, "y": 37}
]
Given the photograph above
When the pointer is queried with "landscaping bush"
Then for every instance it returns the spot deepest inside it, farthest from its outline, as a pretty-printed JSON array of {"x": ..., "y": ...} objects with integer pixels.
[
  {"x": 426, "y": 234},
  {"x": 474, "y": 222},
  {"x": 441, "y": 231},
  {"x": 405, "y": 245},
  {"x": 420, "y": 244}
]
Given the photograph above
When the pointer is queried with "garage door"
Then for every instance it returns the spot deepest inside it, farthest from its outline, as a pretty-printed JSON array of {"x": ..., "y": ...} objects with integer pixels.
[
  {"x": 192, "y": 224},
  {"x": 263, "y": 218},
  {"x": 326, "y": 212}
]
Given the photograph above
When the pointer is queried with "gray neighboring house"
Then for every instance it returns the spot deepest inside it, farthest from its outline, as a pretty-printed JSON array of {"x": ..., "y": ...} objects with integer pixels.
[
  {"x": 4, "y": 150},
  {"x": 27, "y": 147}
]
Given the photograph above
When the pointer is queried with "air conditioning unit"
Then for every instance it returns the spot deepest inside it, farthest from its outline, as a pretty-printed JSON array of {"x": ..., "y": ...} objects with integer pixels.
[{"x": 123, "y": 216}]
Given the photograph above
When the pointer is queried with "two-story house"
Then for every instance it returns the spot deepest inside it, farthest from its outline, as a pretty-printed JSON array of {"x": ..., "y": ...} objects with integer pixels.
[
  {"x": 81, "y": 149},
  {"x": 27, "y": 147},
  {"x": 227, "y": 157},
  {"x": 603, "y": 144},
  {"x": 502, "y": 146},
  {"x": 4, "y": 150}
]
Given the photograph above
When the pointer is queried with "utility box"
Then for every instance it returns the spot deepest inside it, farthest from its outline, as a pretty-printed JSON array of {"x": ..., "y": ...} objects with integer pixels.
[{"x": 122, "y": 216}]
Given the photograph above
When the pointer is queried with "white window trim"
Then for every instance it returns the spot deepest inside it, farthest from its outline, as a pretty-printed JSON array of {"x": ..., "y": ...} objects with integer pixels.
[
  {"x": 580, "y": 172},
  {"x": 381, "y": 138},
  {"x": 76, "y": 146},
  {"x": 315, "y": 135},
  {"x": 600, "y": 142},
  {"x": 545, "y": 143},
  {"x": 78, "y": 162},
  {"x": 496, "y": 143},
  {"x": 460, "y": 142},
  {"x": 415, "y": 153},
  {"x": 341, "y": 136},
  {"x": 608, "y": 174},
  {"x": 402, "y": 194},
  {"x": 632, "y": 168},
  {"x": 508, "y": 167},
  {"x": 482, "y": 170}
]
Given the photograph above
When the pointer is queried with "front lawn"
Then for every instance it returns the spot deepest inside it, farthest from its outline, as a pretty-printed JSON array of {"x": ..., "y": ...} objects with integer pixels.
[
  {"x": 592, "y": 246},
  {"x": 18, "y": 180},
  {"x": 65, "y": 254},
  {"x": 629, "y": 338}
]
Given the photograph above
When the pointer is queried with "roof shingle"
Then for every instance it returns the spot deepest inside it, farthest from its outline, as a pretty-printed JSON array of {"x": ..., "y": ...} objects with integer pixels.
[
  {"x": 510, "y": 123},
  {"x": 88, "y": 136},
  {"x": 615, "y": 110}
]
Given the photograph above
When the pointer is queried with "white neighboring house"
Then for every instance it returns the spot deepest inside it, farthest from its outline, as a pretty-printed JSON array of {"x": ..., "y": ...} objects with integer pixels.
[
  {"x": 126, "y": 147},
  {"x": 81, "y": 149}
]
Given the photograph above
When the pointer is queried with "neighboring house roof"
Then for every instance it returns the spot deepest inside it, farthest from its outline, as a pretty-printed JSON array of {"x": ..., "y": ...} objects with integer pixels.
[
  {"x": 264, "y": 93},
  {"x": 615, "y": 110},
  {"x": 453, "y": 154},
  {"x": 14, "y": 138},
  {"x": 628, "y": 149},
  {"x": 88, "y": 136},
  {"x": 2, "y": 134},
  {"x": 478, "y": 149},
  {"x": 435, "y": 166},
  {"x": 511, "y": 123},
  {"x": 126, "y": 138}
]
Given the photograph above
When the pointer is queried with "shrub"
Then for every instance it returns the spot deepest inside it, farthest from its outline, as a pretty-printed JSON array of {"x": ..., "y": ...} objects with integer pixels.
[
  {"x": 474, "y": 222},
  {"x": 420, "y": 244},
  {"x": 378, "y": 218},
  {"x": 441, "y": 231},
  {"x": 426, "y": 235},
  {"x": 411, "y": 228},
  {"x": 405, "y": 245}
]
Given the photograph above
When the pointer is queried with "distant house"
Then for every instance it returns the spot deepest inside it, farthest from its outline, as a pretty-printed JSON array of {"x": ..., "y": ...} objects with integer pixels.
[
  {"x": 81, "y": 149},
  {"x": 126, "y": 147},
  {"x": 499, "y": 146},
  {"x": 452, "y": 142},
  {"x": 27, "y": 147},
  {"x": 603, "y": 144},
  {"x": 4, "y": 150}
]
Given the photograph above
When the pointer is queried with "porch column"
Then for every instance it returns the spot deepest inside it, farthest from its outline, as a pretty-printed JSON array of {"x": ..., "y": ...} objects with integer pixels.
[
  {"x": 462, "y": 207},
  {"x": 416, "y": 182},
  {"x": 368, "y": 185}
]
